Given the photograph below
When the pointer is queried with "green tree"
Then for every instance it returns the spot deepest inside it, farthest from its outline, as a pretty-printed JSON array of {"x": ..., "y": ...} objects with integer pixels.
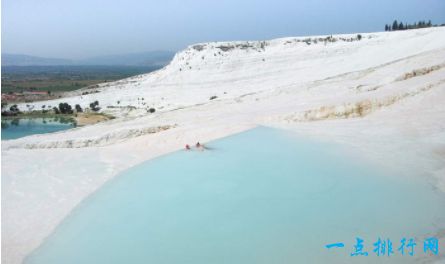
[
  {"x": 14, "y": 108},
  {"x": 95, "y": 106},
  {"x": 78, "y": 108},
  {"x": 395, "y": 25},
  {"x": 65, "y": 108}
]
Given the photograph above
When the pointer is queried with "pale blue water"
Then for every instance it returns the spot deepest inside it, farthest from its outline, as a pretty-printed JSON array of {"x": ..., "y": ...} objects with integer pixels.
[
  {"x": 17, "y": 128},
  {"x": 263, "y": 196}
]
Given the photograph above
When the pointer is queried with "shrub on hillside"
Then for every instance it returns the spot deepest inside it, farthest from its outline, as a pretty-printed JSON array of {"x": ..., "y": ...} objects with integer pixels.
[
  {"x": 95, "y": 106},
  {"x": 78, "y": 108},
  {"x": 65, "y": 108},
  {"x": 14, "y": 108}
]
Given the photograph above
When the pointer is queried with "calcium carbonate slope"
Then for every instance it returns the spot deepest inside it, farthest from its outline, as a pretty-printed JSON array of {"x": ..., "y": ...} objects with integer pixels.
[{"x": 382, "y": 95}]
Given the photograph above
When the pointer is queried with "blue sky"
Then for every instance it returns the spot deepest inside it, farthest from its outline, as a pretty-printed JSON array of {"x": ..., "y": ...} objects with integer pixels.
[{"x": 84, "y": 28}]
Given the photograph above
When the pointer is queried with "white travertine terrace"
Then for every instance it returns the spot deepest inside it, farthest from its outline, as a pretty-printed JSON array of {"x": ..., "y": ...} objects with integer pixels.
[{"x": 382, "y": 95}]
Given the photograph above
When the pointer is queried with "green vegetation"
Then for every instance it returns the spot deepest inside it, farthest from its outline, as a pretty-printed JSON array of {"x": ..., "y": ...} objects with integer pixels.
[
  {"x": 400, "y": 26},
  {"x": 95, "y": 106},
  {"x": 63, "y": 78},
  {"x": 78, "y": 108},
  {"x": 14, "y": 109},
  {"x": 65, "y": 108}
]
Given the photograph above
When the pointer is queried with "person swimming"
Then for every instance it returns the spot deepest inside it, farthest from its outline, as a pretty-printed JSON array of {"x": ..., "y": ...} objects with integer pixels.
[
  {"x": 187, "y": 146},
  {"x": 201, "y": 146}
]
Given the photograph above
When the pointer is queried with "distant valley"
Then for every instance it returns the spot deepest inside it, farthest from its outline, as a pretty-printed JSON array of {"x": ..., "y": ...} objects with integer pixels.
[
  {"x": 33, "y": 75},
  {"x": 151, "y": 58}
]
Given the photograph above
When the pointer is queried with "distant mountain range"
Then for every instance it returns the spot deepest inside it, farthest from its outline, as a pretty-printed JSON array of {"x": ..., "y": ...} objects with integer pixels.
[
  {"x": 25, "y": 60},
  {"x": 152, "y": 58}
]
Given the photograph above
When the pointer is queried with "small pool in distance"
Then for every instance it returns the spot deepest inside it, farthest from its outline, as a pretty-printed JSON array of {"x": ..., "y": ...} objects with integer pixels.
[
  {"x": 262, "y": 196},
  {"x": 22, "y": 127}
]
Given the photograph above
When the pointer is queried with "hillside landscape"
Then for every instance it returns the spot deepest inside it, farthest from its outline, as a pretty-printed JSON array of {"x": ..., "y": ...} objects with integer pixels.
[{"x": 380, "y": 93}]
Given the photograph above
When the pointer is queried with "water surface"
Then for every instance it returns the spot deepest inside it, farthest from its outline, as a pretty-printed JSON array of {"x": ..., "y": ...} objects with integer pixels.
[
  {"x": 13, "y": 128},
  {"x": 263, "y": 196}
]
